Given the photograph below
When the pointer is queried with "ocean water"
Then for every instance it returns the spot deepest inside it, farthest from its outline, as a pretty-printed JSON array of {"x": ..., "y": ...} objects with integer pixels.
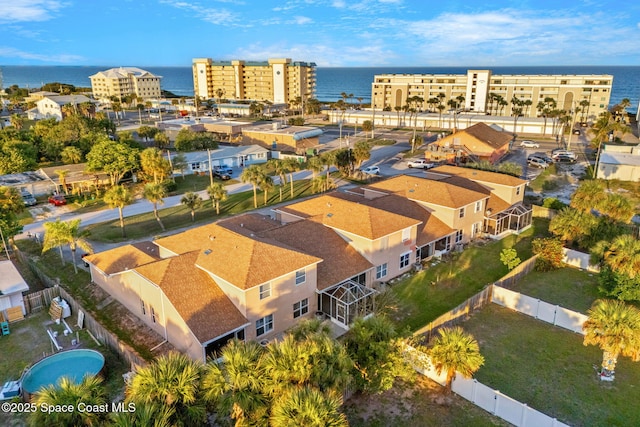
[{"x": 331, "y": 82}]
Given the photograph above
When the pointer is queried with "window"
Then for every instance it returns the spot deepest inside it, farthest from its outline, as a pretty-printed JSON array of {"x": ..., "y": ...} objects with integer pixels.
[
  {"x": 478, "y": 206},
  {"x": 144, "y": 310},
  {"x": 518, "y": 190},
  {"x": 301, "y": 308},
  {"x": 461, "y": 212},
  {"x": 381, "y": 270},
  {"x": 474, "y": 229},
  {"x": 265, "y": 290},
  {"x": 406, "y": 234},
  {"x": 153, "y": 315},
  {"x": 404, "y": 259},
  {"x": 301, "y": 277},
  {"x": 459, "y": 235},
  {"x": 264, "y": 325}
]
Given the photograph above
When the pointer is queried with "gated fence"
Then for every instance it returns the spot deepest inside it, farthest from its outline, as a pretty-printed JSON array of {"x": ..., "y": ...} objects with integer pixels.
[{"x": 39, "y": 300}]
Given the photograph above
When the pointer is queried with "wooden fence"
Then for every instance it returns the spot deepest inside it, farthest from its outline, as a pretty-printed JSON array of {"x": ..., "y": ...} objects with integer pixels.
[
  {"x": 542, "y": 212},
  {"x": 514, "y": 276},
  {"x": 42, "y": 299}
]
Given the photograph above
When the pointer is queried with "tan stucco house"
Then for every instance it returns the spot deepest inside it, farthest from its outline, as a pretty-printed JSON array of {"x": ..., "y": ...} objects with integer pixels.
[{"x": 252, "y": 277}]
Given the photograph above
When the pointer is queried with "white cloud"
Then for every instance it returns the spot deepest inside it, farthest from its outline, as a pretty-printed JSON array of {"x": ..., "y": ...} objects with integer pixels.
[
  {"x": 29, "y": 10},
  {"x": 9, "y": 52},
  {"x": 302, "y": 20},
  {"x": 208, "y": 14}
]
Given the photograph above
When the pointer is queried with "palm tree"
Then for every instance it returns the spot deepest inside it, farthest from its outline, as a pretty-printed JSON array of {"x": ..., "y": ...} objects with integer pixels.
[
  {"x": 235, "y": 385},
  {"x": 316, "y": 166},
  {"x": 62, "y": 177},
  {"x": 253, "y": 174},
  {"x": 618, "y": 208},
  {"x": 217, "y": 193},
  {"x": 266, "y": 184},
  {"x": 155, "y": 193},
  {"x": 455, "y": 351},
  {"x": 615, "y": 327},
  {"x": 193, "y": 201},
  {"x": 77, "y": 239},
  {"x": 146, "y": 414},
  {"x": 56, "y": 235},
  {"x": 292, "y": 165},
  {"x": 89, "y": 391},
  {"x": 71, "y": 154},
  {"x": 623, "y": 255},
  {"x": 118, "y": 197},
  {"x": 280, "y": 169},
  {"x": 307, "y": 407},
  {"x": 172, "y": 381},
  {"x": 573, "y": 225},
  {"x": 589, "y": 195}
]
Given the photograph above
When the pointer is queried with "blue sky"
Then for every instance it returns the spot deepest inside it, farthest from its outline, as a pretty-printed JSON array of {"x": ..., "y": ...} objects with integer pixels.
[{"x": 327, "y": 32}]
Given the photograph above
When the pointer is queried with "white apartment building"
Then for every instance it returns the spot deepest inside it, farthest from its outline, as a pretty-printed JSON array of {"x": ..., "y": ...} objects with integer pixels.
[
  {"x": 483, "y": 92},
  {"x": 125, "y": 81}
]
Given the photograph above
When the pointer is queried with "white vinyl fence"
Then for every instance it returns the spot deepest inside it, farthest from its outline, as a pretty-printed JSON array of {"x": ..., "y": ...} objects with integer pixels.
[
  {"x": 554, "y": 314},
  {"x": 492, "y": 401},
  {"x": 518, "y": 414}
]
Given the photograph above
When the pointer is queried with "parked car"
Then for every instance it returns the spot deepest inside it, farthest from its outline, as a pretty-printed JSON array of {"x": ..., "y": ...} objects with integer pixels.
[
  {"x": 539, "y": 163},
  {"x": 221, "y": 175},
  {"x": 420, "y": 163},
  {"x": 28, "y": 199},
  {"x": 529, "y": 144},
  {"x": 371, "y": 170},
  {"x": 57, "y": 200},
  {"x": 562, "y": 152},
  {"x": 563, "y": 158},
  {"x": 542, "y": 157},
  {"x": 223, "y": 169}
]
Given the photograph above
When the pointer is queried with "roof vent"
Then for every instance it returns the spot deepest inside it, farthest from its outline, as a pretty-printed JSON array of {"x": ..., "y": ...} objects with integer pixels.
[
  {"x": 212, "y": 237},
  {"x": 241, "y": 225},
  {"x": 208, "y": 251},
  {"x": 329, "y": 215}
]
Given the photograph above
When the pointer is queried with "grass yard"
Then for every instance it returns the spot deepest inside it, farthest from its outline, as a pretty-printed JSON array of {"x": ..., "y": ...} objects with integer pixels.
[
  {"x": 419, "y": 404},
  {"x": 145, "y": 225},
  {"x": 568, "y": 287},
  {"x": 440, "y": 287},
  {"x": 550, "y": 370}
]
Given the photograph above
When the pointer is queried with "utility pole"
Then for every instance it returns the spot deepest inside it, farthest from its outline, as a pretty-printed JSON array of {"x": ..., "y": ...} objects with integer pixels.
[{"x": 210, "y": 167}]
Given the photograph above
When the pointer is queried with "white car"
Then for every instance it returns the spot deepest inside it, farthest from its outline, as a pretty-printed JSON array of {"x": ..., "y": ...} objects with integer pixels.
[
  {"x": 371, "y": 170},
  {"x": 420, "y": 163},
  {"x": 560, "y": 152},
  {"x": 529, "y": 144},
  {"x": 539, "y": 163}
]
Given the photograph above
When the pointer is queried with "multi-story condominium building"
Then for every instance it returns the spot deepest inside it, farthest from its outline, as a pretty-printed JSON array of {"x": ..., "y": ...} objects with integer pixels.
[
  {"x": 123, "y": 81},
  {"x": 487, "y": 93},
  {"x": 276, "y": 80},
  {"x": 253, "y": 277}
]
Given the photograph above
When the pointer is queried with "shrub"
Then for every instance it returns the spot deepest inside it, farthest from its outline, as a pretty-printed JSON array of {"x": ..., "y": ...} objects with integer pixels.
[
  {"x": 509, "y": 257},
  {"x": 549, "y": 251},
  {"x": 553, "y": 203}
]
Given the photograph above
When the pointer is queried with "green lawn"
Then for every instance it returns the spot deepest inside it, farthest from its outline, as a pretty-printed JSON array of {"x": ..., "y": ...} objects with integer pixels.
[
  {"x": 440, "y": 287},
  {"x": 550, "y": 370},
  {"x": 568, "y": 287},
  {"x": 145, "y": 225}
]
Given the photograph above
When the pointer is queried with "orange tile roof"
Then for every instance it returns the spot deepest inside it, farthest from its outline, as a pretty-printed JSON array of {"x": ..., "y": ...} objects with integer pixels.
[
  {"x": 341, "y": 261},
  {"x": 487, "y": 135},
  {"x": 242, "y": 260},
  {"x": 359, "y": 219},
  {"x": 249, "y": 223},
  {"x": 480, "y": 176},
  {"x": 431, "y": 228},
  {"x": 123, "y": 258},
  {"x": 203, "y": 306},
  {"x": 442, "y": 193}
]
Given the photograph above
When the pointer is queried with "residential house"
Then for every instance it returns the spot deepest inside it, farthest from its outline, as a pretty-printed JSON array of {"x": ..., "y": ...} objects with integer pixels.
[
  {"x": 12, "y": 286},
  {"x": 225, "y": 156},
  {"x": 252, "y": 277},
  {"x": 475, "y": 143},
  {"x": 56, "y": 106},
  {"x": 619, "y": 162}
]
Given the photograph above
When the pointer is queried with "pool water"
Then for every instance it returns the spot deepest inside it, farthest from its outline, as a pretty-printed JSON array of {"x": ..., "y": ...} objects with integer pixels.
[{"x": 74, "y": 364}]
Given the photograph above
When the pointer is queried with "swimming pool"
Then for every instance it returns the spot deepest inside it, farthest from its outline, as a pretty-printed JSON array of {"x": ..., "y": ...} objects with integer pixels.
[{"x": 72, "y": 363}]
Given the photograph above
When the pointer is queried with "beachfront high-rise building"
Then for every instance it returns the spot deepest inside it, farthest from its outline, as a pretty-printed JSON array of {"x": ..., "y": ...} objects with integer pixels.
[
  {"x": 487, "y": 93},
  {"x": 277, "y": 80},
  {"x": 123, "y": 81}
]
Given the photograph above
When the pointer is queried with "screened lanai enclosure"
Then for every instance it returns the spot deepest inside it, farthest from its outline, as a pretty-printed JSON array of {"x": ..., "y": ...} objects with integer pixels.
[
  {"x": 515, "y": 219},
  {"x": 347, "y": 301}
]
